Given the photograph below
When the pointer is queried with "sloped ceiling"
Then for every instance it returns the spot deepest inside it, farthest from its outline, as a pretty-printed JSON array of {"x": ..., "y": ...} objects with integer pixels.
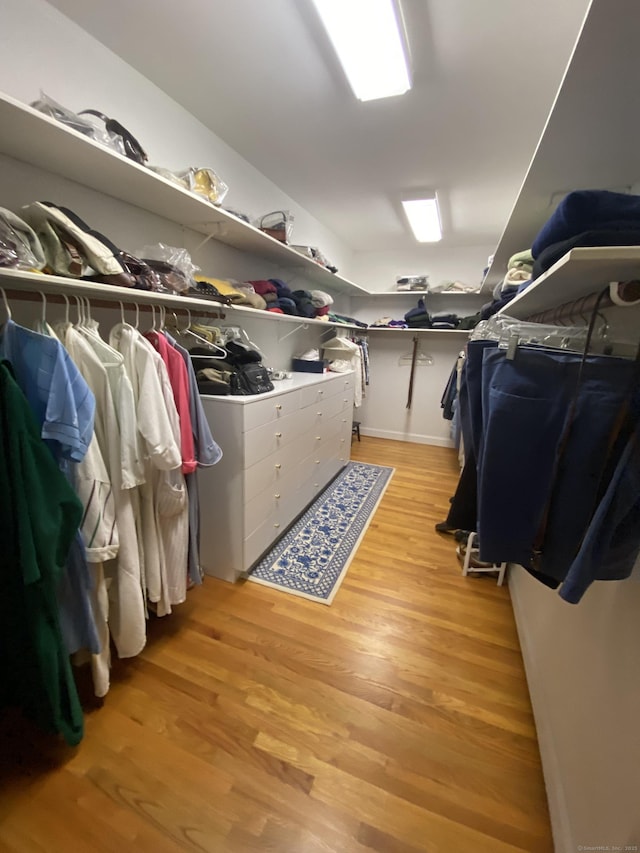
[{"x": 262, "y": 76}]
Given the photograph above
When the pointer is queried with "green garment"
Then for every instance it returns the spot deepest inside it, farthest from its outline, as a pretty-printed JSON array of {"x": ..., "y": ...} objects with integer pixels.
[
  {"x": 521, "y": 261},
  {"x": 39, "y": 514}
]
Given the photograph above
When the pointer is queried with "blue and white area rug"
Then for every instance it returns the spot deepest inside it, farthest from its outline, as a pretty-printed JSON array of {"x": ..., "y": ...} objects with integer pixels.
[{"x": 312, "y": 558}]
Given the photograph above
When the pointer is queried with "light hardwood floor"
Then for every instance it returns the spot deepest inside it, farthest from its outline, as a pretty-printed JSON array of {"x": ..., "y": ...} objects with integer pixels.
[{"x": 397, "y": 720}]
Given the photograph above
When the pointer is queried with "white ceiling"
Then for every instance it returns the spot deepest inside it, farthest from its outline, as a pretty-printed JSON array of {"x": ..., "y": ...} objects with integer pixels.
[{"x": 262, "y": 76}]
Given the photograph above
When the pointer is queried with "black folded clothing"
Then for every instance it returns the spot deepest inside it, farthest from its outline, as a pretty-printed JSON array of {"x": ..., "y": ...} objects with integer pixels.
[
  {"x": 419, "y": 321},
  {"x": 443, "y": 317}
]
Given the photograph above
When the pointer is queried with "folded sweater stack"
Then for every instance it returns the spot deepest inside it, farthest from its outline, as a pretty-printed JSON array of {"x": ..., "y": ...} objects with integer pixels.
[
  {"x": 418, "y": 317},
  {"x": 587, "y": 218}
]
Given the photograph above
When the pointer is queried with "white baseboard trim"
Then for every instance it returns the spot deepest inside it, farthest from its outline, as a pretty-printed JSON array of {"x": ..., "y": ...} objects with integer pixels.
[
  {"x": 416, "y": 438},
  {"x": 563, "y": 843}
]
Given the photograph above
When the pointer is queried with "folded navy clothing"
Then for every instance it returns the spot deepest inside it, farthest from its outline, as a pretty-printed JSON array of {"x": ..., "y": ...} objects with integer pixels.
[
  {"x": 419, "y": 310},
  {"x": 588, "y": 210},
  {"x": 492, "y": 308},
  {"x": 287, "y": 305},
  {"x": 629, "y": 236},
  {"x": 305, "y": 306},
  {"x": 282, "y": 289}
]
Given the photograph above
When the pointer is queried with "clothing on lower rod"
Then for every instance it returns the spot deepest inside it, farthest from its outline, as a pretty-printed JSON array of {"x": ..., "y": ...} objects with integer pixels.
[
  {"x": 525, "y": 406},
  {"x": 463, "y": 513},
  {"x": 610, "y": 548}
]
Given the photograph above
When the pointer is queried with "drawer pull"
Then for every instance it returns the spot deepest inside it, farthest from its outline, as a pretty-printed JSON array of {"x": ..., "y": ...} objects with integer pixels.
[
  {"x": 278, "y": 406},
  {"x": 276, "y": 496},
  {"x": 321, "y": 392},
  {"x": 319, "y": 414},
  {"x": 277, "y": 524},
  {"x": 278, "y": 435},
  {"x": 318, "y": 438},
  {"x": 344, "y": 420},
  {"x": 346, "y": 399},
  {"x": 278, "y": 466},
  {"x": 316, "y": 485},
  {"x": 317, "y": 461},
  {"x": 342, "y": 440}
]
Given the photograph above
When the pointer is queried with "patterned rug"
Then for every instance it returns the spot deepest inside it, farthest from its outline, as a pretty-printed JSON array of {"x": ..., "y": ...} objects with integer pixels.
[{"x": 312, "y": 558}]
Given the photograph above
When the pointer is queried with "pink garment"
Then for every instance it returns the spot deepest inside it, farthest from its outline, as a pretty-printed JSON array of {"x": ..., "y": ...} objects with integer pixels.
[{"x": 179, "y": 379}]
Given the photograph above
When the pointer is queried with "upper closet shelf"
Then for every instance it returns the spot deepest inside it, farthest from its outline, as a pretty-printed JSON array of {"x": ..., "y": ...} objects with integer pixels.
[
  {"x": 579, "y": 273},
  {"x": 34, "y": 138}
]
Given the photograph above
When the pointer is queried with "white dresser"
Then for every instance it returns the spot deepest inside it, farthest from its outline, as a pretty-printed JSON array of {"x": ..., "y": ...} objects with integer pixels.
[{"x": 280, "y": 450}]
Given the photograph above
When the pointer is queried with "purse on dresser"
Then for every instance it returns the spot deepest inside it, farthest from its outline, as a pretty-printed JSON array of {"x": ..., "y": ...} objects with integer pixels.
[{"x": 250, "y": 379}]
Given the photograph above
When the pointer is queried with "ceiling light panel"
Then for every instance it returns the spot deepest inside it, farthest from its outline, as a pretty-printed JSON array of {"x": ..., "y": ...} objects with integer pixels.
[
  {"x": 366, "y": 36},
  {"x": 424, "y": 218}
]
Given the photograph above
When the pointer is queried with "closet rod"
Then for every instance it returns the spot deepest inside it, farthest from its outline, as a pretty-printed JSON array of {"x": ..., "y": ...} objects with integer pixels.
[
  {"x": 34, "y": 296},
  {"x": 569, "y": 313}
]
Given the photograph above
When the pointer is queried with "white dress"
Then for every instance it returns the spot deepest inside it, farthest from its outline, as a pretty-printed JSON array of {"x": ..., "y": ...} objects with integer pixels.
[
  {"x": 161, "y": 452},
  {"x": 126, "y": 611}
]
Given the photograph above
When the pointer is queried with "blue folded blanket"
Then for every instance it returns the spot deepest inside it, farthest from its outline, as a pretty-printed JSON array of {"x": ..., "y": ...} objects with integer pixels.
[
  {"x": 588, "y": 210},
  {"x": 629, "y": 236}
]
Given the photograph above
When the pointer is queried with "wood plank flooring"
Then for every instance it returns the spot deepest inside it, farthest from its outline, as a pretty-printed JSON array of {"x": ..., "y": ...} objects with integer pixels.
[{"x": 397, "y": 720}]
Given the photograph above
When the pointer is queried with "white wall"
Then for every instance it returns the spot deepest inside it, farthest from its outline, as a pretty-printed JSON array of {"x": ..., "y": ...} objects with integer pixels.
[
  {"x": 384, "y": 413},
  {"x": 583, "y": 666},
  {"x": 378, "y": 270}
]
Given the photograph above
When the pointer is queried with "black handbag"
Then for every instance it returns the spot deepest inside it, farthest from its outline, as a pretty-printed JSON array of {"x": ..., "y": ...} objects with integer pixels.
[{"x": 250, "y": 379}]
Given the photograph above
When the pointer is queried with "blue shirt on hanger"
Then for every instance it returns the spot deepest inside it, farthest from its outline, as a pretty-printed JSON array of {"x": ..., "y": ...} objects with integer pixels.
[{"x": 58, "y": 395}]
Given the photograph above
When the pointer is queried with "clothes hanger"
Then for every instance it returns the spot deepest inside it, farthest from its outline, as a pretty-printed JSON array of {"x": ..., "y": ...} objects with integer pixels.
[
  {"x": 42, "y": 327},
  {"x": 217, "y": 351},
  {"x": 80, "y": 312},
  {"x": 6, "y": 303},
  {"x": 504, "y": 330}
]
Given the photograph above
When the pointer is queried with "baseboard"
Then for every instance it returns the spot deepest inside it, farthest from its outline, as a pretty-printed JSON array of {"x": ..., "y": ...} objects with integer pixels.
[
  {"x": 563, "y": 843},
  {"x": 416, "y": 438}
]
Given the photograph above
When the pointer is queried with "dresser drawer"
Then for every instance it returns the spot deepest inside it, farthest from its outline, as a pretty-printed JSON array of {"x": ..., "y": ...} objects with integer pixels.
[
  {"x": 334, "y": 384},
  {"x": 263, "y": 537},
  {"x": 314, "y": 394},
  {"x": 270, "y": 410},
  {"x": 272, "y": 437},
  {"x": 272, "y": 499}
]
